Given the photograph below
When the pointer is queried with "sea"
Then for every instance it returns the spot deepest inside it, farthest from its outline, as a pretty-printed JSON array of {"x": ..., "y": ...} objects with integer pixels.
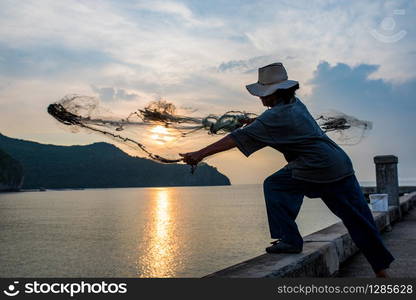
[{"x": 138, "y": 232}]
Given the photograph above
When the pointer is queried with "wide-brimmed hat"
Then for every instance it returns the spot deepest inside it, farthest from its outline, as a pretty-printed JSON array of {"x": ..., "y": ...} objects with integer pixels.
[{"x": 271, "y": 78}]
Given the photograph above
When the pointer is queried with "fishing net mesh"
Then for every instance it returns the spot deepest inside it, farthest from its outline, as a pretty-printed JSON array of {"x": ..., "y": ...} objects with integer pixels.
[
  {"x": 345, "y": 129},
  {"x": 160, "y": 131}
]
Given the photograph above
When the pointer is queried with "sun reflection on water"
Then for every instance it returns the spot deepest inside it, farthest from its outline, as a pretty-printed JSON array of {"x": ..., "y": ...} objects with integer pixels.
[{"x": 161, "y": 249}]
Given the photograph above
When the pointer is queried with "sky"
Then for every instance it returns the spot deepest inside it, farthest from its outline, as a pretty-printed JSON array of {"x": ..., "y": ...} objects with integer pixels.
[{"x": 358, "y": 57}]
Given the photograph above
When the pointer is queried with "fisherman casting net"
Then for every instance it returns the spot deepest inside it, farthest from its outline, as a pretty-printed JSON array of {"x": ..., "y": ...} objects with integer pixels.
[{"x": 161, "y": 131}]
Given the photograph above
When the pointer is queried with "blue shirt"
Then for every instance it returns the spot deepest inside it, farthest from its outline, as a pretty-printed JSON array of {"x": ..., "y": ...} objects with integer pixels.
[{"x": 290, "y": 129}]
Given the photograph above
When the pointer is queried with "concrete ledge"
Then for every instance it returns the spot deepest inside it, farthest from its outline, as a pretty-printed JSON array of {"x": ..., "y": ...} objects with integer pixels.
[
  {"x": 317, "y": 257},
  {"x": 322, "y": 254},
  {"x": 402, "y": 189}
]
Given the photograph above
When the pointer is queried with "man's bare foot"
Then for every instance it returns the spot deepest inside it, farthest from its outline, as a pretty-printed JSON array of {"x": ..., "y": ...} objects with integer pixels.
[{"x": 382, "y": 274}]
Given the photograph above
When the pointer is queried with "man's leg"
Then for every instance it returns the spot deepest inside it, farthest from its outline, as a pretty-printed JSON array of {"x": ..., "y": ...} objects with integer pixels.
[
  {"x": 283, "y": 202},
  {"x": 345, "y": 199}
]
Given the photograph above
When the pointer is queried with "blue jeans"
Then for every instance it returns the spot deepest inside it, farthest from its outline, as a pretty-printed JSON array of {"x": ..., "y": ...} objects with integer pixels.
[{"x": 284, "y": 197}]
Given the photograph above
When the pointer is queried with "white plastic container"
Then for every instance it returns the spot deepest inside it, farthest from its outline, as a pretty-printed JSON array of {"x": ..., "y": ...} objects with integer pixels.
[{"x": 379, "y": 202}]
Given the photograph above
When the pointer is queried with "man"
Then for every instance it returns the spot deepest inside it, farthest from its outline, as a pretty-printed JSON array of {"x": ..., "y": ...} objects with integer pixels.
[{"x": 317, "y": 168}]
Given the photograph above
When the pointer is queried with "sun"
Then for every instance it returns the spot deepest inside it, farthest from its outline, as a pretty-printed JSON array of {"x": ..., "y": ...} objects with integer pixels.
[{"x": 160, "y": 135}]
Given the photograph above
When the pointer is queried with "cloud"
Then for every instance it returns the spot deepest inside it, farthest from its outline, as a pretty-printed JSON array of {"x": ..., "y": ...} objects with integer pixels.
[
  {"x": 111, "y": 94},
  {"x": 46, "y": 61},
  {"x": 122, "y": 94},
  {"x": 315, "y": 31},
  {"x": 352, "y": 87},
  {"x": 169, "y": 7},
  {"x": 244, "y": 66},
  {"x": 179, "y": 10},
  {"x": 252, "y": 64},
  {"x": 167, "y": 41}
]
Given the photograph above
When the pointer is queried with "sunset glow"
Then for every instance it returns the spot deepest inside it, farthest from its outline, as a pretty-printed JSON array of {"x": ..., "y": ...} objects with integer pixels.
[{"x": 161, "y": 135}]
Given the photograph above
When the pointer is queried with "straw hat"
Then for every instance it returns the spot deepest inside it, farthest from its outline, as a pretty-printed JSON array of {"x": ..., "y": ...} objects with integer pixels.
[{"x": 271, "y": 78}]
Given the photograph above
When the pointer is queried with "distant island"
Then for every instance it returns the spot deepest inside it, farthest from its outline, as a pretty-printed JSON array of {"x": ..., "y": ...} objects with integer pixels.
[
  {"x": 11, "y": 173},
  {"x": 98, "y": 165}
]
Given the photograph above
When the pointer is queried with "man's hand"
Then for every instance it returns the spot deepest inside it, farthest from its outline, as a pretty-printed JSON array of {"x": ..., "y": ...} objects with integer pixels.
[{"x": 191, "y": 158}]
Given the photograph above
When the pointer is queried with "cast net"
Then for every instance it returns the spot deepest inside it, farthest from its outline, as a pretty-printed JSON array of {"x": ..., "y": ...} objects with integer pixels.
[
  {"x": 161, "y": 131},
  {"x": 345, "y": 129},
  {"x": 158, "y": 129}
]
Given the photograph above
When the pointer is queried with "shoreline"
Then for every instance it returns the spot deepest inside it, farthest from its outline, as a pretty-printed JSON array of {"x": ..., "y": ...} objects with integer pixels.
[
  {"x": 367, "y": 189},
  {"x": 105, "y": 188}
]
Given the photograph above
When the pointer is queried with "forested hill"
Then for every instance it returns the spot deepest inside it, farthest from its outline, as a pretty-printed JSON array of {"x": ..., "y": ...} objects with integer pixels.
[
  {"x": 11, "y": 173},
  {"x": 99, "y": 165}
]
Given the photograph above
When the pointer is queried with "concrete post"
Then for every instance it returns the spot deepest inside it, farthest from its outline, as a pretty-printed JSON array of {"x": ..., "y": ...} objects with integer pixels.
[{"x": 387, "y": 178}]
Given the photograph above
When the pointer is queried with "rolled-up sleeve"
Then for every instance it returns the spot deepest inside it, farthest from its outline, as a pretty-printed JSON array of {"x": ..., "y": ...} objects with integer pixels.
[{"x": 251, "y": 138}]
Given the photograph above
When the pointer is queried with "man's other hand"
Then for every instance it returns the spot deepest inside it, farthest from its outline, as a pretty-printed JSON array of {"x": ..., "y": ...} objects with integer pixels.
[{"x": 247, "y": 121}]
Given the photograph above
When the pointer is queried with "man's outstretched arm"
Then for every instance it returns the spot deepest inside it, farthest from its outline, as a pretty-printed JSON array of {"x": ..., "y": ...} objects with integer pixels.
[{"x": 193, "y": 158}]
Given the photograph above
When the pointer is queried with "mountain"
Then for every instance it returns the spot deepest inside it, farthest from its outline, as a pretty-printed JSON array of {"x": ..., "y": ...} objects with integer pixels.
[
  {"x": 99, "y": 165},
  {"x": 11, "y": 173}
]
